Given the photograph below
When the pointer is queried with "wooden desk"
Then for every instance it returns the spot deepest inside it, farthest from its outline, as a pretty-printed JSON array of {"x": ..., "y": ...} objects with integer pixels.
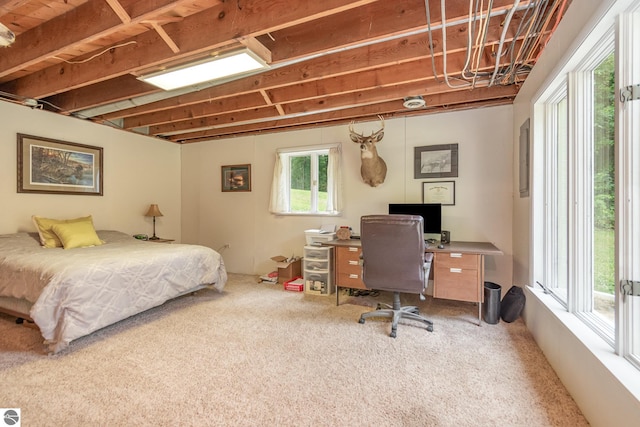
[{"x": 458, "y": 269}]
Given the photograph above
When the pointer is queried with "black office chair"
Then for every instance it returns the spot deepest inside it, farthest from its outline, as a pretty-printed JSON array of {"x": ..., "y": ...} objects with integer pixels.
[{"x": 393, "y": 259}]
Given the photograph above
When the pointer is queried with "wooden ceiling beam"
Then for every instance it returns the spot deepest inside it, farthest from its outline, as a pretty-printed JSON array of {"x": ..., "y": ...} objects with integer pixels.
[
  {"x": 390, "y": 53},
  {"x": 119, "y": 10},
  {"x": 374, "y": 22},
  {"x": 164, "y": 36},
  {"x": 211, "y": 121},
  {"x": 495, "y": 95},
  {"x": 197, "y": 33},
  {"x": 9, "y": 5},
  {"x": 54, "y": 37},
  {"x": 119, "y": 89},
  {"x": 220, "y": 106},
  {"x": 366, "y": 98},
  {"x": 335, "y": 119},
  {"x": 457, "y": 40},
  {"x": 397, "y": 75}
]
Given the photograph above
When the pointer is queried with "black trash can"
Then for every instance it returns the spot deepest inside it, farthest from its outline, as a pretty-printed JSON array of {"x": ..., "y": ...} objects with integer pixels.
[{"x": 492, "y": 295}]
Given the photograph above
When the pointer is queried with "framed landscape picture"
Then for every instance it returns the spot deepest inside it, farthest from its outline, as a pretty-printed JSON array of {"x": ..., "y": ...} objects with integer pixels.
[
  {"x": 51, "y": 166},
  {"x": 236, "y": 178}
]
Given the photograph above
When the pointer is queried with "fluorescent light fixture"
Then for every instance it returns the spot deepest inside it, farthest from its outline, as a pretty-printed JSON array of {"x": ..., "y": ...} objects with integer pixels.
[{"x": 206, "y": 70}]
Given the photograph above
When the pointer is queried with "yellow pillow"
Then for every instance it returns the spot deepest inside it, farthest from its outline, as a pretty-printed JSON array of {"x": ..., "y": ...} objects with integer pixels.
[
  {"x": 48, "y": 238},
  {"x": 76, "y": 234}
]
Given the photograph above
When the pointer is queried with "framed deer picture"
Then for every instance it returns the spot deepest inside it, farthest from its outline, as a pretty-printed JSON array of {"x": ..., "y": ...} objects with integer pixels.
[{"x": 435, "y": 161}]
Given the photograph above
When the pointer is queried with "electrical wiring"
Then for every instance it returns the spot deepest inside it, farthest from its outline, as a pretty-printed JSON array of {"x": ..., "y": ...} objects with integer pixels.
[
  {"x": 433, "y": 60},
  {"x": 481, "y": 39},
  {"x": 97, "y": 54},
  {"x": 521, "y": 50},
  {"x": 525, "y": 20},
  {"x": 507, "y": 21},
  {"x": 524, "y": 60},
  {"x": 444, "y": 49}
]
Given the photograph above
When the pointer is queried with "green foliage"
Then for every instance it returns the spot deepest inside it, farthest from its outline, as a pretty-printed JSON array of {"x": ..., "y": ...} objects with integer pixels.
[
  {"x": 604, "y": 143},
  {"x": 604, "y": 177},
  {"x": 301, "y": 172},
  {"x": 301, "y": 200},
  {"x": 604, "y": 261}
]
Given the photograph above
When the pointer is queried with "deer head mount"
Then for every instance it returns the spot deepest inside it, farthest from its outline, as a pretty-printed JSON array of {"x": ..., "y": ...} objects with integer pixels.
[{"x": 373, "y": 169}]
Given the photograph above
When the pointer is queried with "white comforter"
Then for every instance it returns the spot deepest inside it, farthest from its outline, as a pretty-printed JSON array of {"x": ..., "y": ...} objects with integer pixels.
[{"x": 77, "y": 291}]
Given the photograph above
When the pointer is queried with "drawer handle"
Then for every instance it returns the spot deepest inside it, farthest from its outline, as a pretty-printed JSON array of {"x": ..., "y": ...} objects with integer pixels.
[
  {"x": 353, "y": 276},
  {"x": 353, "y": 263},
  {"x": 455, "y": 255},
  {"x": 353, "y": 249},
  {"x": 455, "y": 270}
]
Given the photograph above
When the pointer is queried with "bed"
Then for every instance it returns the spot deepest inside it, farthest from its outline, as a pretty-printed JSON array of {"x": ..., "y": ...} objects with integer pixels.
[{"x": 70, "y": 293}]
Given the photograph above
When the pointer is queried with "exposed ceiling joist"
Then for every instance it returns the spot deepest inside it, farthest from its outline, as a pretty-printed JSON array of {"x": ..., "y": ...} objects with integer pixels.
[{"x": 331, "y": 61}]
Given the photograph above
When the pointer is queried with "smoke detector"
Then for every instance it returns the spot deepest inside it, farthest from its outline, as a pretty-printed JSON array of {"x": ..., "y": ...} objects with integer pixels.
[
  {"x": 6, "y": 36},
  {"x": 413, "y": 102}
]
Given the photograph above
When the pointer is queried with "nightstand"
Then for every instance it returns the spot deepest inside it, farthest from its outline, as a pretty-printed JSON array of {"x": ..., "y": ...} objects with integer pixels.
[{"x": 161, "y": 240}]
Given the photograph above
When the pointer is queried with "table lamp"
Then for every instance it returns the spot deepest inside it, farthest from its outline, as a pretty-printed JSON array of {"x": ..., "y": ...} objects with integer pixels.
[{"x": 154, "y": 211}]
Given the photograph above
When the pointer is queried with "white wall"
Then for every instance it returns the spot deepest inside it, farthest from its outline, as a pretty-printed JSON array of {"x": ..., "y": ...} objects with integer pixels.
[
  {"x": 588, "y": 367},
  {"x": 138, "y": 170},
  {"x": 483, "y": 188}
]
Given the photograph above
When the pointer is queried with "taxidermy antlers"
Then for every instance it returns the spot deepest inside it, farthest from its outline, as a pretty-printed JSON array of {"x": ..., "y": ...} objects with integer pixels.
[
  {"x": 6, "y": 36},
  {"x": 373, "y": 169}
]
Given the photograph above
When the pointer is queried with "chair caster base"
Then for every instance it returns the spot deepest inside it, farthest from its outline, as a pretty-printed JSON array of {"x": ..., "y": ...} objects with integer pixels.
[{"x": 361, "y": 320}]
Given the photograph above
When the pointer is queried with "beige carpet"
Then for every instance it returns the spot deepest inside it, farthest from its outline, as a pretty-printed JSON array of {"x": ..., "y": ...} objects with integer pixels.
[{"x": 256, "y": 355}]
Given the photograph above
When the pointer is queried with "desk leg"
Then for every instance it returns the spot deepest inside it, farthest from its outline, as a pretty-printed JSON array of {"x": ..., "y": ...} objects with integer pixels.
[{"x": 480, "y": 313}]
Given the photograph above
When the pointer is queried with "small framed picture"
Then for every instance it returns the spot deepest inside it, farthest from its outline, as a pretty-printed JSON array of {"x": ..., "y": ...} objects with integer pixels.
[
  {"x": 524, "y": 159},
  {"x": 435, "y": 161},
  {"x": 443, "y": 192},
  {"x": 236, "y": 178}
]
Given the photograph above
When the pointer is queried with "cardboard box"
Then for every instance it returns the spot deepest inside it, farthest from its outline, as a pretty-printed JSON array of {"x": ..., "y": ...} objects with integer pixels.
[{"x": 287, "y": 269}]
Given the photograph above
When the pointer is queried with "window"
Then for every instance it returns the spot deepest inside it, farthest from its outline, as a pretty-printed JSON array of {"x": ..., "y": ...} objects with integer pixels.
[
  {"x": 306, "y": 181},
  {"x": 579, "y": 191},
  {"x": 586, "y": 204},
  {"x": 556, "y": 228}
]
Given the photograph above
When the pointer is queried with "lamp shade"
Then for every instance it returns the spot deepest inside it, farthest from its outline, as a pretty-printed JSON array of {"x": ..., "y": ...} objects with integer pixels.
[{"x": 153, "y": 211}]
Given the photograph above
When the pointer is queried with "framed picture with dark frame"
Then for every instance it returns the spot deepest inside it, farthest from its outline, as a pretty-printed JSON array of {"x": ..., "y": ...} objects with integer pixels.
[
  {"x": 58, "y": 167},
  {"x": 523, "y": 163},
  {"x": 435, "y": 161},
  {"x": 443, "y": 192},
  {"x": 236, "y": 178}
]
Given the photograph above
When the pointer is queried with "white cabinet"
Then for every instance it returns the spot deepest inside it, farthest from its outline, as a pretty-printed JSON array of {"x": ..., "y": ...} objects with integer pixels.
[{"x": 318, "y": 261}]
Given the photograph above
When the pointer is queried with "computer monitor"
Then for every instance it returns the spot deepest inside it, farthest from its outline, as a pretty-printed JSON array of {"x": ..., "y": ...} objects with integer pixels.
[{"x": 430, "y": 212}]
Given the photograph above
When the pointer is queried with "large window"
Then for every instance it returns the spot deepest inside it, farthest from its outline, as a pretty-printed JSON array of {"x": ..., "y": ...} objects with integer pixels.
[
  {"x": 587, "y": 203},
  {"x": 307, "y": 181}
]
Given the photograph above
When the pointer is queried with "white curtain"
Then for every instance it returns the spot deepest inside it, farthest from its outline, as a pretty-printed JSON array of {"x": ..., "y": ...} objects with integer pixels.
[
  {"x": 334, "y": 181},
  {"x": 279, "y": 201}
]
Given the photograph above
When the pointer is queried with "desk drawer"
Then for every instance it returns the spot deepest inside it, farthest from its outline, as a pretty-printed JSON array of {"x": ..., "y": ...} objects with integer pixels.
[
  {"x": 457, "y": 284},
  {"x": 348, "y": 268},
  {"x": 353, "y": 280},
  {"x": 351, "y": 253},
  {"x": 457, "y": 260}
]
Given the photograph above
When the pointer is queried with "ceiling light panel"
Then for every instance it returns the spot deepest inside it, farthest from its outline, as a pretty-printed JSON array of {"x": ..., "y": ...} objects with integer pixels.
[{"x": 206, "y": 70}]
